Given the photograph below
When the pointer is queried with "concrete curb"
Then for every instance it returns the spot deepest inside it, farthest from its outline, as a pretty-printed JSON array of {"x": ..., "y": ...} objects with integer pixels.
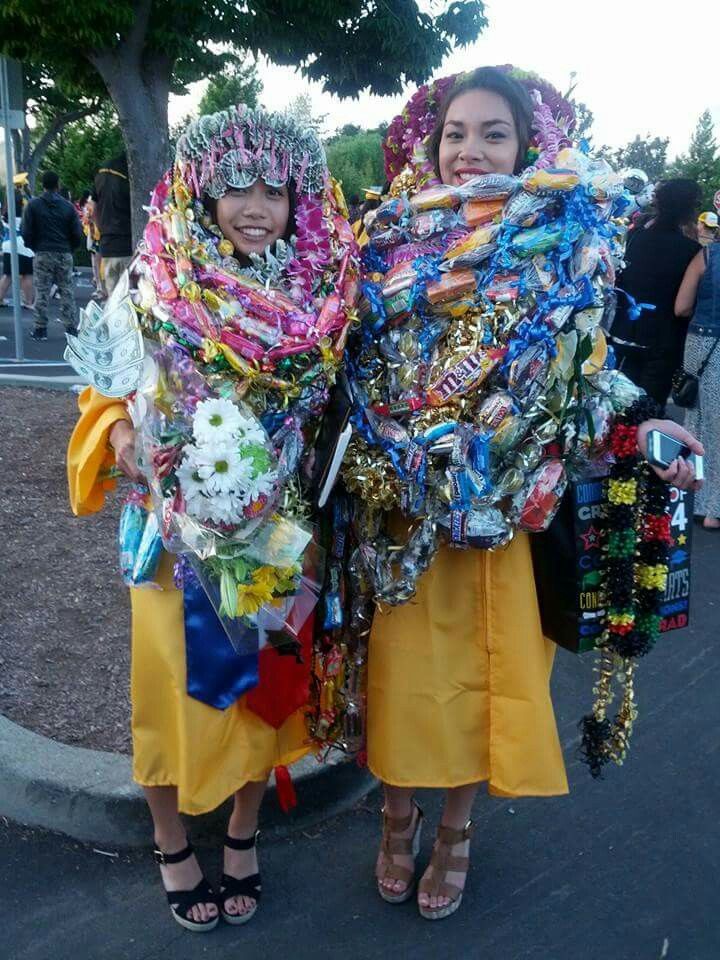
[
  {"x": 44, "y": 383},
  {"x": 89, "y": 794}
]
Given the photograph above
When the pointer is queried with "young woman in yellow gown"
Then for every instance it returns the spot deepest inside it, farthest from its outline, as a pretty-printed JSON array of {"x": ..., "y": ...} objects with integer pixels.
[
  {"x": 459, "y": 677},
  {"x": 190, "y": 756}
]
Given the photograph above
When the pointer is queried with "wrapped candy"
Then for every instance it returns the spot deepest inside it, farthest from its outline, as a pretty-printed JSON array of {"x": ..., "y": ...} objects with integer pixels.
[
  {"x": 430, "y": 222},
  {"x": 478, "y": 212},
  {"x": 139, "y": 540},
  {"x": 473, "y": 249},
  {"x": 550, "y": 180},
  {"x": 438, "y": 196},
  {"x": 538, "y": 501},
  {"x": 451, "y": 286},
  {"x": 463, "y": 376}
]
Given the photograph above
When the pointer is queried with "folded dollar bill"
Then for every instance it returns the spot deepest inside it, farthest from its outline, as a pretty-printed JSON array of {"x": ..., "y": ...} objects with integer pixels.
[
  {"x": 108, "y": 350},
  {"x": 111, "y": 383}
]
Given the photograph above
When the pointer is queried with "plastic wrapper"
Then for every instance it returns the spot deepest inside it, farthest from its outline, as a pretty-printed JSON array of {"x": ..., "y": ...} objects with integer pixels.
[
  {"x": 430, "y": 222},
  {"x": 458, "y": 378},
  {"x": 438, "y": 196},
  {"x": 528, "y": 373},
  {"x": 451, "y": 286},
  {"x": 550, "y": 180},
  {"x": 586, "y": 256},
  {"x": 484, "y": 528},
  {"x": 524, "y": 209},
  {"x": 139, "y": 541},
  {"x": 538, "y": 501},
  {"x": 476, "y": 213},
  {"x": 490, "y": 186},
  {"x": 538, "y": 239},
  {"x": 390, "y": 211},
  {"x": 495, "y": 408},
  {"x": 473, "y": 249}
]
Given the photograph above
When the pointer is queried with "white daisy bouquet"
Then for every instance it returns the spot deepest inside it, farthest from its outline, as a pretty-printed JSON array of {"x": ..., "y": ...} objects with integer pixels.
[{"x": 215, "y": 483}]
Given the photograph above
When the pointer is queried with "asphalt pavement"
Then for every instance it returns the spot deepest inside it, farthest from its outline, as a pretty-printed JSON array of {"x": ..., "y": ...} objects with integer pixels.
[
  {"x": 622, "y": 869},
  {"x": 43, "y": 364}
]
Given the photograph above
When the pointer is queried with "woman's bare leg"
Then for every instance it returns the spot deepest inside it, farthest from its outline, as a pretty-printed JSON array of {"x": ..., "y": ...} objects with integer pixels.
[
  {"x": 243, "y": 824},
  {"x": 398, "y": 803},
  {"x": 171, "y": 837},
  {"x": 458, "y": 807}
]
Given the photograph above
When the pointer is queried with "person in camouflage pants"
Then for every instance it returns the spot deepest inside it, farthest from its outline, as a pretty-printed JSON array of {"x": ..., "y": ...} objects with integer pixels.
[
  {"x": 49, "y": 269},
  {"x": 51, "y": 227}
]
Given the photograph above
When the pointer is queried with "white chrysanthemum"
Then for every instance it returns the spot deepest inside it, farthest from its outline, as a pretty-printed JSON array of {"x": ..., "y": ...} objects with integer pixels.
[
  {"x": 216, "y": 419},
  {"x": 220, "y": 467},
  {"x": 261, "y": 484},
  {"x": 191, "y": 483},
  {"x": 250, "y": 430}
]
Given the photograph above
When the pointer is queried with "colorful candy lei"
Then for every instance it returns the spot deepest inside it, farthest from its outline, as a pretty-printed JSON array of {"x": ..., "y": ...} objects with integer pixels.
[
  {"x": 229, "y": 385},
  {"x": 634, "y": 578},
  {"x": 480, "y": 371}
]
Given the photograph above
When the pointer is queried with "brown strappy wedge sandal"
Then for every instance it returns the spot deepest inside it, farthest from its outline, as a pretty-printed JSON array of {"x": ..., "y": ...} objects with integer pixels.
[
  {"x": 391, "y": 846},
  {"x": 442, "y": 863}
]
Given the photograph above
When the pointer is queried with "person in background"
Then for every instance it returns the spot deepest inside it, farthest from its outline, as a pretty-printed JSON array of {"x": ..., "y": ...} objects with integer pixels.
[
  {"x": 111, "y": 198},
  {"x": 707, "y": 228},
  {"x": 649, "y": 348},
  {"x": 699, "y": 297},
  {"x": 92, "y": 242},
  {"x": 51, "y": 227},
  {"x": 25, "y": 257}
]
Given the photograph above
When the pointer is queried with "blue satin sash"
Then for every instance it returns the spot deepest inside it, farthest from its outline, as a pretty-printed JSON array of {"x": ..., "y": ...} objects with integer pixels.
[{"x": 216, "y": 673}]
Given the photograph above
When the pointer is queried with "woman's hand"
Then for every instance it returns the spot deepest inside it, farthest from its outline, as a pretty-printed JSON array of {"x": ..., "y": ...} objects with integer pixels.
[
  {"x": 122, "y": 440},
  {"x": 680, "y": 473}
]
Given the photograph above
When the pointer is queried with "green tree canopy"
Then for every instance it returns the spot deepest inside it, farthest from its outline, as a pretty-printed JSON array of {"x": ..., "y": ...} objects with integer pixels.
[
  {"x": 140, "y": 50},
  {"x": 236, "y": 83},
  {"x": 644, "y": 153},
  {"x": 83, "y": 147},
  {"x": 50, "y": 106},
  {"x": 701, "y": 162}
]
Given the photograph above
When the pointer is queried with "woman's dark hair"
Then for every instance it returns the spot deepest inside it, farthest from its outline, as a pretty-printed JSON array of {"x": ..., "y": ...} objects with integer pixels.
[
  {"x": 677, "y": 203},
  {"x": 514, "y": 94}
]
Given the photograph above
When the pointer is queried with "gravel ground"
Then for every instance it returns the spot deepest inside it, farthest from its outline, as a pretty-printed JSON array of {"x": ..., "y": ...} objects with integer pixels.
[{"x": 64, "y": 613}]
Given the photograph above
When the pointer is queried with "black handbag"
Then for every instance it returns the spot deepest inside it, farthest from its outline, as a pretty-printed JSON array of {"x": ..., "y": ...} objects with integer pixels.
[
  {"x": 685, "y": 386},
  {"x": 568, "y": 560}
]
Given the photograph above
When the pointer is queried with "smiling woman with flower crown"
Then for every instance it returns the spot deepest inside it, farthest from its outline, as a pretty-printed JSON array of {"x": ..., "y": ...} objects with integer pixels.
[
  {"x": 480, "y": 384},
  {"x": 242, "y": 287}
]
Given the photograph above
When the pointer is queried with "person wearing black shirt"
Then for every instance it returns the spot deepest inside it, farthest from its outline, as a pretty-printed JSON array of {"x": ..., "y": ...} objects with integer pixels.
[
  {"x": 111, "y": 197},
  {"x": 649, "y": 348},
  {"x": 51, "y": 227}
]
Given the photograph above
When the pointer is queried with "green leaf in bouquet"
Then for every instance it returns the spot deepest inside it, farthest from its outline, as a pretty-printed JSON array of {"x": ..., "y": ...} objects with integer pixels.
[{"x": 228, "y": 593}]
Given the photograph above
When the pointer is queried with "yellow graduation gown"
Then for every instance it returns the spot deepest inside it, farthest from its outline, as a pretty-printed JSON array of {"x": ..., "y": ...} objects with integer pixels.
[
  {"x": 459, "y": 680},
  {"x": 177, "y": 740}
]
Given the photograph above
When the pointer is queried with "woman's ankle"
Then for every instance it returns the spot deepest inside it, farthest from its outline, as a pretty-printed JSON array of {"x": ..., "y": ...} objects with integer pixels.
[{"x": 170, "y": 839}]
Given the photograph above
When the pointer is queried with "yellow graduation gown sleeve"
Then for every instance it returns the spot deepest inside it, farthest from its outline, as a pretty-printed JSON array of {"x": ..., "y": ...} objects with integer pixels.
[
  {"x": 177, "y": 740},
  {"x": 89, "y": 453},
  {"x": 459, "y": 680}
]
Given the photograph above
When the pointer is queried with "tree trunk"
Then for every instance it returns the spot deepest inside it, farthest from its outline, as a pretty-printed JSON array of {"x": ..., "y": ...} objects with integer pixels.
[{"x": 139, "y": 87}]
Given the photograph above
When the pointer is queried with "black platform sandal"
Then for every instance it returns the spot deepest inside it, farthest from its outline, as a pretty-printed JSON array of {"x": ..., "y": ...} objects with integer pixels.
[
  {"x": 183, "y": 900},
  {"x": 244, "y": 887}
]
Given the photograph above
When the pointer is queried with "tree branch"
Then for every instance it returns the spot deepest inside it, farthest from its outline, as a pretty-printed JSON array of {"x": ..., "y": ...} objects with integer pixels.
[{"x": 62, "y": 120}]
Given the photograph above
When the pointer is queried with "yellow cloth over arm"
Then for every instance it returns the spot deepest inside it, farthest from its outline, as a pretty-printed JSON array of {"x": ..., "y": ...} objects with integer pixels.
[{"x": 89, "y": 453}]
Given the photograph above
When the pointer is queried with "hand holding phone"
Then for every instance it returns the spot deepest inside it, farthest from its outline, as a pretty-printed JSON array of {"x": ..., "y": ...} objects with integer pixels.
[{"x": 663, "y": 450}]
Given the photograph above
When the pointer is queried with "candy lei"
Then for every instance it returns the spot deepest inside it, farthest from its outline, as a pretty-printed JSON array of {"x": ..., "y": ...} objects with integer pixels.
[
  {"x": 244, "y": 355},
  {"x": 478, "y": 365},
  {"x": 480, "y": 374},
  {"x": 635, "y": 575}
]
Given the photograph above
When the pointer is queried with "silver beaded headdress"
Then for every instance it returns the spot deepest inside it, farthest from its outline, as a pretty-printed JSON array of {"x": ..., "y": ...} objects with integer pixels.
[{"x": 236, "y": 147}]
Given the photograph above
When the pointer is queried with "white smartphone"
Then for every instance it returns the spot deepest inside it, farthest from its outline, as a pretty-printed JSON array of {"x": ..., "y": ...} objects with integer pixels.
[{"x": 663, "y": 449}]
